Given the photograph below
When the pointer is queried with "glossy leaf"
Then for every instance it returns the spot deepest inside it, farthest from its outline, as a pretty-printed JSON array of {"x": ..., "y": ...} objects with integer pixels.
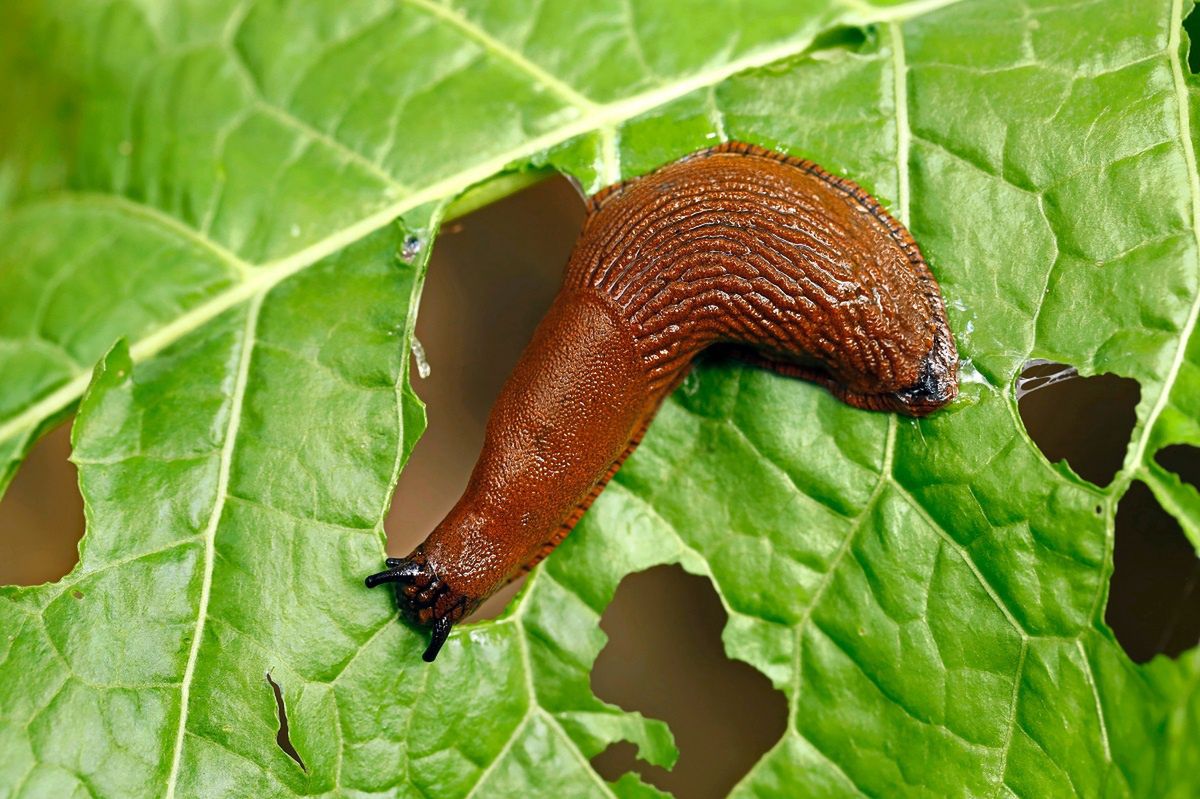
[{"x": 202, "y": 199}]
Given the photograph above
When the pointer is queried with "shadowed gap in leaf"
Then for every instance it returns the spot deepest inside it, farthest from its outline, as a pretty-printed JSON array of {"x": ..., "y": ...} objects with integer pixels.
[
  {"x": 41, "y": 514},
  {"x": 1183, "y": 460},
  {"x": 665, "y": 658},
  {"x": 1154, "y": 597},
  {"x": 1086, "y": 421},
  {"x": 492, "y": 276},
  {"x": 282, "y": 739},
  {"x": 1191, "y": 26},
  {"x": 842, "y": 37}
]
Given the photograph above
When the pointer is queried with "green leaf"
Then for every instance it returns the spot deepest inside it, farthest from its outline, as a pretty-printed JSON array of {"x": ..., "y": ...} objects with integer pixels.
[{"x": 202, "y": 198}]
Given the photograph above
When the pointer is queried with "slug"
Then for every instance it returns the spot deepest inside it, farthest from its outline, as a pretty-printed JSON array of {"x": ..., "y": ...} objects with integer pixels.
[{"x": 790, "y": 267}]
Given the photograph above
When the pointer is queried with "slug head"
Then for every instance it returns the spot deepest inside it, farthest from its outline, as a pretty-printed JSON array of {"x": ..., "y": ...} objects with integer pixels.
[
  {"x": 923, "y": 386},
  {"x": 925, "y": 389},
  {"x": 936, "y": 384},
  {"x": 884, "y": 341},
  {"x": 424, "y": 598}
]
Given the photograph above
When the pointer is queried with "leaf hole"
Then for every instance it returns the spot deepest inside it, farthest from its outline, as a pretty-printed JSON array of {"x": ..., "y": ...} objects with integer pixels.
[
  {"x": 843, "y": 37},
  {"x": 1086, "y": 421},
  {"x": 282, "y": 739},
  {"x": 1154, "y": 595},
  {"x": 1183, "y": 460},
  {"x": 41, "y": 515},
  {"x": 665, "y": 659},
  {"x": 492, "y": 275},
  {"x": 1191, "y": 26}
]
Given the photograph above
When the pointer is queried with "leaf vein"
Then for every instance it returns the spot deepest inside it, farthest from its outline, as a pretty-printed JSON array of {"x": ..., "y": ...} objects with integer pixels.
[
  {"x": 210, "y": 533},
  {"x": 1189, "y": 154},
  {"x": 1012, "y": 718},
  {"x": 497, "y": 48},
  {"x": 270, "y": 273}
]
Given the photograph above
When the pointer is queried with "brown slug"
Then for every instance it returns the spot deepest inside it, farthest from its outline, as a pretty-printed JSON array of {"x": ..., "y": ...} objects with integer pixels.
[{"x": 795, "y": 269}]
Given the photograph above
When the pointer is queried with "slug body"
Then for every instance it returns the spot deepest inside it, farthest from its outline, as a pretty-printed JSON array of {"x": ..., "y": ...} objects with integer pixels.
[{"x": 794, "y": 269}]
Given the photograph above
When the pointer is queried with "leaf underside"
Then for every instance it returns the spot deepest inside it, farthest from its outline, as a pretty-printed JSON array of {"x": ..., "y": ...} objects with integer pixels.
[{"x": 202, "y": 199}]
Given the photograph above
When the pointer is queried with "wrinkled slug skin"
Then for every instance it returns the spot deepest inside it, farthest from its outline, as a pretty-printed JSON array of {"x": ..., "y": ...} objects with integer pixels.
[{"x": 785, "y": 265}]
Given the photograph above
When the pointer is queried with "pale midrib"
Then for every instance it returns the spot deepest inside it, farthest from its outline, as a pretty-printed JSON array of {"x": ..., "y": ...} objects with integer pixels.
[
  {"x": 601, "y": 118},
  {"x": 1189, "y": 155},
  {"x": 896, "y": 13},
  {"x": 210, "y": 534}
]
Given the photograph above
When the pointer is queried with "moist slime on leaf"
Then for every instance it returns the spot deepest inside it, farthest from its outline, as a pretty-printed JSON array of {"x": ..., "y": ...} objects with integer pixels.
[
  {"x": 411, "y": 248},
  {"x": 789, "y": 267}
]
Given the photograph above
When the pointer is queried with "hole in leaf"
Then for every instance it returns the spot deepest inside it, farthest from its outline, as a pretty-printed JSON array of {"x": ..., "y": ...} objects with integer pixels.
[
  {"x": 282, "y": 739},
  {"x": 1184, "y": 460},
  {"x": 1085, "y": 420},
  {"x": 1191, "y": 26},
  {"x": 41, "y": 515},
  {"x": 492, "y": 276},
  {"x": 844, "y": 37},
  {"x": 665, "y": 658},
  {"x": 1154, "y": 596}
]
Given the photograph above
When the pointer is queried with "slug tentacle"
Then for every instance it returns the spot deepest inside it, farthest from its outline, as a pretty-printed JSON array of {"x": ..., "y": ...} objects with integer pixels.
[{"x": 792, "y": 268}]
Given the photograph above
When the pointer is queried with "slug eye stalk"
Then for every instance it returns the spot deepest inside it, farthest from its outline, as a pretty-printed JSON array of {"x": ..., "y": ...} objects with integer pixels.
[
  {"x": 441, "y": 631},
  {"x": 400, "y": 571},
  {"x": 423, "y": 598}
]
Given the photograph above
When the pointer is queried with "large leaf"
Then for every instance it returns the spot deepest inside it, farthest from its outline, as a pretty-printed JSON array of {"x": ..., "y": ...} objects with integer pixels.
[{"x": 215, "y": 184}]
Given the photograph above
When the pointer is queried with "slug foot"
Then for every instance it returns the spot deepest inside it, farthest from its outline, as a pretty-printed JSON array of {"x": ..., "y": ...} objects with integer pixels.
[{"x": 423, "y": 597}]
